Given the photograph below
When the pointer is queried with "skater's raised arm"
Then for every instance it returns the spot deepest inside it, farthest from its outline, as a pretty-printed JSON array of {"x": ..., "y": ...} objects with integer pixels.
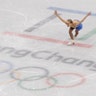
[
  {"x": 64, "y": 21},
  {"x": 89, "y": 13}
]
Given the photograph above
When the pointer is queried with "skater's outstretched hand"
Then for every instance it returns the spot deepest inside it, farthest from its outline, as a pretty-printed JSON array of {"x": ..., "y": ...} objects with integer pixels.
[
  {"x": 89, "y": 13},
  {"x": 62, "y": 19},
  {"x": 55, "y": 12}
]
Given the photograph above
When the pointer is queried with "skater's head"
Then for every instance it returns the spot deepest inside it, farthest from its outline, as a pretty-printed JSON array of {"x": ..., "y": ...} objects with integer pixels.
[{"x": 70, "y": 21}]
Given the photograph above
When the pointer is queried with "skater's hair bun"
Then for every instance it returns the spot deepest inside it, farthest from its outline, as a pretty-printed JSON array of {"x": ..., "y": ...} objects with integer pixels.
[{"x": 70, "y": 20}]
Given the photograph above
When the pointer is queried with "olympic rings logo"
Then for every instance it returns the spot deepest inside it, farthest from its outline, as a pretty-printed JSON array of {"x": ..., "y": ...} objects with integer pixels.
[{"x": 37, "y": 78}]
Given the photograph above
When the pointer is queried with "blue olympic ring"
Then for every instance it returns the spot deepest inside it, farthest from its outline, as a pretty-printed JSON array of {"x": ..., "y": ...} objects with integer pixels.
[{"x": 10, "y": 66}]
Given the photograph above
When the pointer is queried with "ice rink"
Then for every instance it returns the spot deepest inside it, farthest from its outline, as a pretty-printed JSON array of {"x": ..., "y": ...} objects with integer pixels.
[{"x": 35, "y": 59}]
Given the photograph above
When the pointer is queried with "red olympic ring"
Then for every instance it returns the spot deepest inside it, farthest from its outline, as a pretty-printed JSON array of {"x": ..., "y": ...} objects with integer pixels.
[{"x": 81, "y": 81}]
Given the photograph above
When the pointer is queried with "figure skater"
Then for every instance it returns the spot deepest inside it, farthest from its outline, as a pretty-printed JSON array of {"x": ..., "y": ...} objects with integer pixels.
[{"x": 73, "y": 24}]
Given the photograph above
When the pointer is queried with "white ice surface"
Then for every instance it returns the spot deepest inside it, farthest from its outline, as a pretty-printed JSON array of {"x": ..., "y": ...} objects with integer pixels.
[{"x": 37, "y": 63}]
